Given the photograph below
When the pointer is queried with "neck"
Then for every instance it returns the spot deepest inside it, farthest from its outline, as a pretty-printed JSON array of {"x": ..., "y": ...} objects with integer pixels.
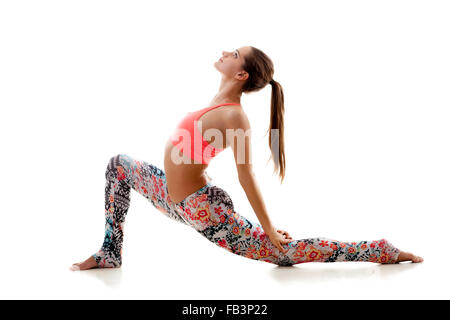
[{"x": 229, "y": 92}]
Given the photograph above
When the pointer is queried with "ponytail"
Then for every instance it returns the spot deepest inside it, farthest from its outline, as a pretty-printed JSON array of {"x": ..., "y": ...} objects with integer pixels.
[
  {"x": 260, "y": 69},
  {"x": 276, "y": 135}
]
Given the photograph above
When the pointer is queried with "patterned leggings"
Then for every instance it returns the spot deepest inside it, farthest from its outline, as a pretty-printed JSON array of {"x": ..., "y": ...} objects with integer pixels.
[{"x": 211, "y": 212}]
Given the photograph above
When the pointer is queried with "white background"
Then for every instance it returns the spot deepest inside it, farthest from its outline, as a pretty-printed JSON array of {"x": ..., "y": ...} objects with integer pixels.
[{"x": 367, "y": 132}]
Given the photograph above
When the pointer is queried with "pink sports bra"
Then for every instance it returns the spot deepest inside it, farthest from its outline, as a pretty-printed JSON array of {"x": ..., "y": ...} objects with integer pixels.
[{"x": 189, "y": 140}]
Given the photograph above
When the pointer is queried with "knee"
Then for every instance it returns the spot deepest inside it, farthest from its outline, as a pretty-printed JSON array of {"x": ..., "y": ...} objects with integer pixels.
[
  {"x": 117, "y": 160},
  {"x": 284, "y": 262},
  {"x": 114, "y": 163}
]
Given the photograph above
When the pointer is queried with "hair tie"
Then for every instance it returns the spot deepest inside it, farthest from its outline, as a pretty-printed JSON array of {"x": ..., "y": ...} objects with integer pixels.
[{"x": 272, "y": 81}]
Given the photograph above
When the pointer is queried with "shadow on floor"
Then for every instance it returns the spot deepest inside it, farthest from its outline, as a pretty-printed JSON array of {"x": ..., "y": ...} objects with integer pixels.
[
  {"x": 339, "y": 271},
  {"x": 110, "y": 277}
]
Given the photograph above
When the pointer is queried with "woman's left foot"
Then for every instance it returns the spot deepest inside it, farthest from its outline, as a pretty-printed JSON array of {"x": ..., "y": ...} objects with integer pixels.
[{"x": 89, "y": 263}]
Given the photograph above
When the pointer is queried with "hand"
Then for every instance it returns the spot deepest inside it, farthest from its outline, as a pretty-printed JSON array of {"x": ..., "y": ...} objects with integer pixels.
[
  {"x": 286, "y": 234},
  {"x": 279, "y": 237}
]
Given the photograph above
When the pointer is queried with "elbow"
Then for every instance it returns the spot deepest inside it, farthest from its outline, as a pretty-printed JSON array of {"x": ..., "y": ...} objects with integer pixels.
[{"x": 246, "y": 176}]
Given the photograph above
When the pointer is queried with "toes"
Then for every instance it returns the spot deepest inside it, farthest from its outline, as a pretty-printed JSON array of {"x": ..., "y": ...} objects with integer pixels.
[{"x": 75, "y": 267}]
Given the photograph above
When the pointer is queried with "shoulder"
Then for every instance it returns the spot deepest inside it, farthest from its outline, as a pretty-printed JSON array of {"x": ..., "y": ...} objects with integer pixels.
[{"x": 237, "y": 118}]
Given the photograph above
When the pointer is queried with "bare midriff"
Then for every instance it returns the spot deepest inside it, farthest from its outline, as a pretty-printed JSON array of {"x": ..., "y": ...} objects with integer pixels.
[
  {"x": 187, "y": 177},
  {"x": 184, "y": 178}
]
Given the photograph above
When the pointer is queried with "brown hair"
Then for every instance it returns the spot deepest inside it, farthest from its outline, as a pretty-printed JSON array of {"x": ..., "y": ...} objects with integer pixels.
[{"x": 260, "y": 69}]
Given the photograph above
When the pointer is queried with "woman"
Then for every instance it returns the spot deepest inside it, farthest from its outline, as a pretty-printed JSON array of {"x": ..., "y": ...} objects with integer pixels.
[{"x": 184, "y": 191}]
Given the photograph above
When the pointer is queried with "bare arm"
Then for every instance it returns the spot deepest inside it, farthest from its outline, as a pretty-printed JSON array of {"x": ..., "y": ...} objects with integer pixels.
[
  {"x": 240, "y": 140},
  {"x": 254, "y": 196}
]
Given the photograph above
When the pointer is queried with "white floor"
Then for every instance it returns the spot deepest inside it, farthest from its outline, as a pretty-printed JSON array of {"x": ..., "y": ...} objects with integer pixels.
[
  {"x": 171, "y": 269},
  {"x": 228, "y": 278}
]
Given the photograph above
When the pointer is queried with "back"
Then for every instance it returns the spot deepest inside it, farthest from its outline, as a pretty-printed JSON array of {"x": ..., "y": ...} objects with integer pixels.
[{"x": 185, "y": 177}]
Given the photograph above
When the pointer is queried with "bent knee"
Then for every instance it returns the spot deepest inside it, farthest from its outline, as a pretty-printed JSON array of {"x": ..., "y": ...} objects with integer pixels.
[
  {"x": 118, "y": 160},
  {"x": 115, "y": 162},
  {"x": 284, "y": 262}
]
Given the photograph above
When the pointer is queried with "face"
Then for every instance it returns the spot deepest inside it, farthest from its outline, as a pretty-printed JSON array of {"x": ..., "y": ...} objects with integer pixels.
[{"x": 230, "y": 64}]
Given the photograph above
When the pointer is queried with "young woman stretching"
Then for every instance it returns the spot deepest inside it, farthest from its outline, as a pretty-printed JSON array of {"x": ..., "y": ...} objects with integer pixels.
[{"x": 185, "y": 193}]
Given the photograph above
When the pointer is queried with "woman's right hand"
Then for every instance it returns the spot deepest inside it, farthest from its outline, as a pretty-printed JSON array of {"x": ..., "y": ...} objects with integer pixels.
[
  {"x": 278, "y": 238},
  {"x": 285, "y": 234}
]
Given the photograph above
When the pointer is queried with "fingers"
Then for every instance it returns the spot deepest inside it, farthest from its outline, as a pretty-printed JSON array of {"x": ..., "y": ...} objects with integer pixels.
[
  {"x": 285, "y": 241},
  {"x": 285, "y": 234},
  {"x": 286, "y": 238},
  {"x": 281, "y": 248},
  {"x": 277, "y": 243}
]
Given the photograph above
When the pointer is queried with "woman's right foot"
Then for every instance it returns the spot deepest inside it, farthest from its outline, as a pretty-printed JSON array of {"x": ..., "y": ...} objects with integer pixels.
[
  {"x": 407, "y": 256},
  {"x": 89, "y": 263}
]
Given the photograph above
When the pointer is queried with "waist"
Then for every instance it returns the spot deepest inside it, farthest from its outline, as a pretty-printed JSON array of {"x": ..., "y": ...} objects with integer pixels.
[
  {"x": 177, "y": 163},
  {"x": 198, "y": 150}
]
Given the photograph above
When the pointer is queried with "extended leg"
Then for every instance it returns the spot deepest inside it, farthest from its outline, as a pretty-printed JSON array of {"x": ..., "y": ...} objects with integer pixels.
[
  {"x": 329, "y": 250},
  {"x": 211, "y": 212}
]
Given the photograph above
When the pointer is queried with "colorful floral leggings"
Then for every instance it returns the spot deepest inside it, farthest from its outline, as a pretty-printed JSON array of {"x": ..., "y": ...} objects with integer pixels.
[{"x": 211, "y": 212}]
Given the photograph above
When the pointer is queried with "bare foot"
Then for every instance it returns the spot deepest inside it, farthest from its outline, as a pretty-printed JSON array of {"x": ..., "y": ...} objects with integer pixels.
[
  {"x": 407, "y": 256},
  {"x": 89, "y": 263}
]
